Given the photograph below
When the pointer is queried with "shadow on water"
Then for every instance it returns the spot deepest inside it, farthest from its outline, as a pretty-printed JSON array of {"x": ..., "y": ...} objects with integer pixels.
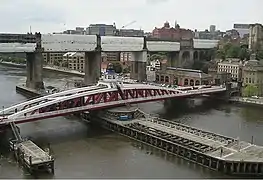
[{"x": 179, "y": 107}]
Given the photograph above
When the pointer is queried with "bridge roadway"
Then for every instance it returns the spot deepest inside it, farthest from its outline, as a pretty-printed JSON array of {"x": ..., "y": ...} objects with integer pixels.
[
  {"x": 91, "y": 98},
  {"x": 209, "y": 149}
]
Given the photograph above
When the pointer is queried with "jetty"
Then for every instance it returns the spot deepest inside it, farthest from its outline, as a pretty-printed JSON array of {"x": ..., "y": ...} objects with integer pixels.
[{"x": 211, "y": 150}]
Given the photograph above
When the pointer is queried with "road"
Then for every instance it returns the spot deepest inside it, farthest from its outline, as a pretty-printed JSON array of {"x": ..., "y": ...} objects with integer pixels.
[{"x": 82, "y": 151}]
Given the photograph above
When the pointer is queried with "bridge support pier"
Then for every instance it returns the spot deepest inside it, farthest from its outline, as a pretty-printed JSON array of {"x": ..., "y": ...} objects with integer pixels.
[
  {"x": 34, "y": 70},
  {"x": 92, "y": 67},
  {"x": 186, "y": 58},
  {"x": 173, "y": 59},
  {"x": 138, "y": 66}
]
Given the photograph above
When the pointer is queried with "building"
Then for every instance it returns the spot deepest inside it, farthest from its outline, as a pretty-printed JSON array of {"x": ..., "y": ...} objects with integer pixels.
[
  {"x": 253, "y": 74},
  {"x": 125, "y": 56},
  {"x": 256, "y": 37},
  {"x": 130, "y": 32},
  {"x": 232, "y": 66},
  {"x": 101, "y": 29},
  {"x": 112, "y": 56},
  {"x": 53, "y": 58},
  {"x": 218, "y": 77},
  {"x": 172, "y": 33},
  {"x": 150, "y": 74},
  {"x": 212, "y": 28},
  {"x": 182, "y": 77},
  {"x": 242, "y": 29},
  {"x": 156, "y": 64},
  {"x": 78, "y": 30},
  {"x": 74, "y": 61}
]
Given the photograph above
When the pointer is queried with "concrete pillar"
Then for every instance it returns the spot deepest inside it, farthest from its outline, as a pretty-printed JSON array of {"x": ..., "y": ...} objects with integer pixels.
[
  {"x": 92, "y": 67},
  {"x": 188, "y": 61},
  {"x": 34, "y": 70},
  {"x": 173, "y": 59},
  {"x": 138, "y": 65}
]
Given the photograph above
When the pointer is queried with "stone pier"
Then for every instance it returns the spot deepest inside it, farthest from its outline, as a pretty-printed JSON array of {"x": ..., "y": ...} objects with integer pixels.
[
  {"x": 92, "y": 67},
  {"x": 34, "y": 70},
  {"x": 138, "y": 65}
]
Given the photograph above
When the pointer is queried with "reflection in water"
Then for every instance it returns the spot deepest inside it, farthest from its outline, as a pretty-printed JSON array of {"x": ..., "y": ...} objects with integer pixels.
[{"x": 84, "y": 151}]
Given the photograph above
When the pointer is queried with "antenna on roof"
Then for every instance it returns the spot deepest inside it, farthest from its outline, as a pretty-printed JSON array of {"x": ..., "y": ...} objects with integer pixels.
[{"x": 30, "y": 29}]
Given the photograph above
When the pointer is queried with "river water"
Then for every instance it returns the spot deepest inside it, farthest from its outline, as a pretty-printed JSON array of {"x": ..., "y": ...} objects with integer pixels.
[{"x": 84, "y": 152}]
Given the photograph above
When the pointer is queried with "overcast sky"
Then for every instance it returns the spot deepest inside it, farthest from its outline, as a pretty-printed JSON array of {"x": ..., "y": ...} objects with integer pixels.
[{"x": 57, "y": 15}]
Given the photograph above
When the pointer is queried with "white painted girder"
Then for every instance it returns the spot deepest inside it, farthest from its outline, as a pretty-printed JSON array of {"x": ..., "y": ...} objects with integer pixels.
[
  {"x": 17, "y": 47},
  {"x": 165, "y": 46},
  {"x": 205, "y": 43},
  {"x": 121, "y": 44},
  {"x": 68, "y": 43}
]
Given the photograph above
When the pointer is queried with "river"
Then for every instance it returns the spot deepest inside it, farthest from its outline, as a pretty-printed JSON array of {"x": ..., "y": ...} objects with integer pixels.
[{"x": 84, "y": 152}]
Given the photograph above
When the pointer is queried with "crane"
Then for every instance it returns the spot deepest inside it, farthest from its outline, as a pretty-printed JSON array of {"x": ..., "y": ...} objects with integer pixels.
[{"x": 128, "y": 24}]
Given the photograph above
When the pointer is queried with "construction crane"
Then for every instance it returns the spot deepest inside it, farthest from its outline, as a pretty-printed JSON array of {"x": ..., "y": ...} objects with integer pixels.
[{"x": 129, "y": 24}]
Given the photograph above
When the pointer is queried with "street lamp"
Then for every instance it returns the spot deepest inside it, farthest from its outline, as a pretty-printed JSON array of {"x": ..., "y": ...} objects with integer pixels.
[{"x": 3, "y": 111}]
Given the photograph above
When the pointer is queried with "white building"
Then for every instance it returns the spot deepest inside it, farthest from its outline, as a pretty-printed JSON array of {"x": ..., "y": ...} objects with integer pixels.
[
  {"x": 74, "y": 61},
  {"x": 156, "y": 64},
  {"x": 232, "y": 66},
  {"x": 150, "y": 73},
  {"x": 125, "y": 56}
]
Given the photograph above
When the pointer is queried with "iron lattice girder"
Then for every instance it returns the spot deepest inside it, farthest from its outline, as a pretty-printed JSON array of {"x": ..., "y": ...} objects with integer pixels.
[{"x": 105, "y": 97}]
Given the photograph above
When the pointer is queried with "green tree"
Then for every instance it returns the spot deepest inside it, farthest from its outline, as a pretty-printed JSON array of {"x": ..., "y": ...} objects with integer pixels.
[
  {"x": 56, "y": 63},
  {"x": 221, "y": 54},
  {"x": 117, "y": 67},
  {"x": 244, "y": 54},
  {"x": 233, "y": 51},
  {"x": 259, "y": 55},
  {"x": 250, "y": 90}
]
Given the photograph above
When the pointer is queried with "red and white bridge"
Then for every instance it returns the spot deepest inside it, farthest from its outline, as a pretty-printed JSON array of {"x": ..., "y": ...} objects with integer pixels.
[{"x": 93, "y": 98}]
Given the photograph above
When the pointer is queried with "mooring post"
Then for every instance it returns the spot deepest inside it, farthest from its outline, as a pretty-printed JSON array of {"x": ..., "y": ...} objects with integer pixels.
[
  {"x": 30, "y": 160},
  {"x": 252, "y": 140}
]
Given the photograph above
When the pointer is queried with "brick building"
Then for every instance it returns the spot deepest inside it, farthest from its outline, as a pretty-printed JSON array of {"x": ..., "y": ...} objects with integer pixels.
[{"x": 172, "y": 33}]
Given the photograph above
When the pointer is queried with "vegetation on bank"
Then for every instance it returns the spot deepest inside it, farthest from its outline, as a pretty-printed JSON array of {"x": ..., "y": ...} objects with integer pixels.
[
  {"x": 250, "y": 90},
  {"x": 16, "y": 60}
]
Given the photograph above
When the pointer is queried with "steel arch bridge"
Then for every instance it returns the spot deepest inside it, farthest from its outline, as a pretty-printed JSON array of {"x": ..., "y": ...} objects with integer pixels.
[{"x": 92, "y": 98}]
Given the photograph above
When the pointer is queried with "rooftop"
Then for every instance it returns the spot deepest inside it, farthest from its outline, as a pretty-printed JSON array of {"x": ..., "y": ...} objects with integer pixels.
[
  {"x": 190, "y": 72},
  {"x": 71, "y": 54}
]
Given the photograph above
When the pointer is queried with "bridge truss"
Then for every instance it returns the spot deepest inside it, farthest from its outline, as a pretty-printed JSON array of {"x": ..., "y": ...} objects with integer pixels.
[{"x": 92, "y": 98}]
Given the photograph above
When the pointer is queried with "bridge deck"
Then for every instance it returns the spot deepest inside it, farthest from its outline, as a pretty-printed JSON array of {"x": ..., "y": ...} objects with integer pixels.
[
  {"x": 211, "y": 144},
  {"x": 38, "y": 156}
]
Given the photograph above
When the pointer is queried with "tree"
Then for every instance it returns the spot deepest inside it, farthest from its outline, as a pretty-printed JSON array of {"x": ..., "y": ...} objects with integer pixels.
[
  {"x": 233, "y": 51},
  {"x": 250, "y": 90},
  {"x": 56, "y": 63},
  {"x": 221, "y": 54},
  {"x": 117, "y": 67},
  {"x": 259, "y": 55},
  {"x": 244, "y": 54}
]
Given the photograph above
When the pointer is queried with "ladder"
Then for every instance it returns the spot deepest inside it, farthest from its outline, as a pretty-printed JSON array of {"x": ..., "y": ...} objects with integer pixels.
[{"x": 15, "y": 132}]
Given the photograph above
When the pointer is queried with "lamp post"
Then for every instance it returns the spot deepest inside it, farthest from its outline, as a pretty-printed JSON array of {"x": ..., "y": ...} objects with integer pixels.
[{"x": 3, "y": 111}]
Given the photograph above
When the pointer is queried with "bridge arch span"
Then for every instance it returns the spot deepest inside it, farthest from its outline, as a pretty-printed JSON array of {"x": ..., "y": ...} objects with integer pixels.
[{"x": 98, "y": 99}]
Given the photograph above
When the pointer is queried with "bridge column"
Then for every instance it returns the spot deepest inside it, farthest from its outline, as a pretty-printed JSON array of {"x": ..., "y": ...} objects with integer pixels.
[
  {"x": 138, "y": 65},
  {"x": 34, "y": 70},
  {"x": 186, "y": 58},
  {"x": 92, "y": 67},
  {"x": 173, "y": 59}
]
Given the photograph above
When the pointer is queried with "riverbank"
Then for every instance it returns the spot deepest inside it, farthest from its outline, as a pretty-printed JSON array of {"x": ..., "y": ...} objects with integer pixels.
[
  {"x": 247, "y": 101},
  {"x": 46, "y": 68}
]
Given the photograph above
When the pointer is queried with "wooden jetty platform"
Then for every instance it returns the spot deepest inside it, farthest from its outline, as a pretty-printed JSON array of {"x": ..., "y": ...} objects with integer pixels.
[
  {"x": 29, "y": 154},
  {"x": 33, "y": 157},
  {"x": 208, "y": 149}
]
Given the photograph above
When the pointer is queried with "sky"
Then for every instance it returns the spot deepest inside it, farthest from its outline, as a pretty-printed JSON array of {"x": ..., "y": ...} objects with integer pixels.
[{"x": 47, "y": 16}]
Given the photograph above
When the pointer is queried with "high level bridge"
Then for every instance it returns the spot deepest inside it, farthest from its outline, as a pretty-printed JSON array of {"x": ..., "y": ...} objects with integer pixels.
[
  {"x": 93, "y": 98},
  {"x": 35, "y": 44}
]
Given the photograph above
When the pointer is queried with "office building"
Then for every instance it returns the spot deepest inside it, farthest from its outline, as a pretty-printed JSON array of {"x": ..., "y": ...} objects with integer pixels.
[{"x": 74, "y": 61}]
